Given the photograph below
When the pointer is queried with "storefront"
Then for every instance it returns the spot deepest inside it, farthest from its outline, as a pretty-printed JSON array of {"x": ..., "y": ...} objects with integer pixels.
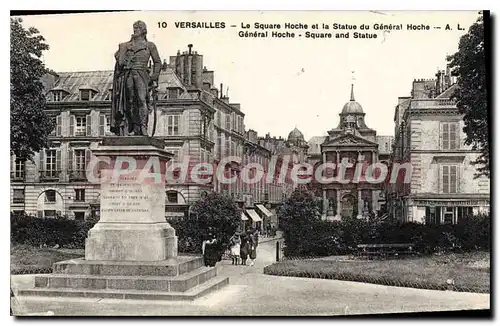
[{"x": 447, "y": 211}]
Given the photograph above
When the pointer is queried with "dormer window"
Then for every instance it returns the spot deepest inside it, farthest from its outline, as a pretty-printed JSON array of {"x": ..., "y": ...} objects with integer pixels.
[
  {"x": 87, "y": 93},
  {"x": 57, "y": 94}
]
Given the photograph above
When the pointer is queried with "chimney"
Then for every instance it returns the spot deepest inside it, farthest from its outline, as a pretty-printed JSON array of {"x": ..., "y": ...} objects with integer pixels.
[
  {"x": 214, "y": 92},
  {"x": 190, "y": 46},
  {"x": 221, "y": 90}
]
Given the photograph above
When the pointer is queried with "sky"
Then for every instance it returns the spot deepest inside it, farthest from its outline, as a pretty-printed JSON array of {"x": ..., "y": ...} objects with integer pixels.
[{"x": 281, "y": 83}]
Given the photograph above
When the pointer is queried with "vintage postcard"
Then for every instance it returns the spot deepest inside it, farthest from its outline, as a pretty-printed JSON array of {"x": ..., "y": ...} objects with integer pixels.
[{"x": 250, "y": 163}]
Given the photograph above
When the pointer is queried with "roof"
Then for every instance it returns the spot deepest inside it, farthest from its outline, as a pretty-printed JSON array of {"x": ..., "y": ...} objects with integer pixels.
[
  {"x": 352, "y": 106},
  {"x": 448, "y": 92},
  {"x": 101, "y": 81},
  {"x": 295, "y": 135},
  {"x": 315, "y": 144}
]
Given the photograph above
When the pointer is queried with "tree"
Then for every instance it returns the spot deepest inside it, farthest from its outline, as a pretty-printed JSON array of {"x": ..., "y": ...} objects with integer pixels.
[
  {"x": 29, "y": 125},
  {"x": 469, "y": 65},
  {"x": 216, "y": 214},
  {"x": 298, "y": 217}
]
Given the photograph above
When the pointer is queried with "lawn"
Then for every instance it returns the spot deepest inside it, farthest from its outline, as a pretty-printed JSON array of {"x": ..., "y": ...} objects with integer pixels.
[
  {"x": 26, "y": 259},
  {"x": 469, "y": 272}
]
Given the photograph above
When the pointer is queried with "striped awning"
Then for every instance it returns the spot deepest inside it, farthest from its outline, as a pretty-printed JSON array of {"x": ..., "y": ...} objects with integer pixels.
[
  {"x": 264, "y": 210},
  {"x": 243, "y": 217},
  {"x": 253, "y": 215}
]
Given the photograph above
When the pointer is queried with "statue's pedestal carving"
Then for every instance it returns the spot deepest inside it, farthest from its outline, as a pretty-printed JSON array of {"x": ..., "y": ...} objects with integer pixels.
[{"x": 131, "y": 253}]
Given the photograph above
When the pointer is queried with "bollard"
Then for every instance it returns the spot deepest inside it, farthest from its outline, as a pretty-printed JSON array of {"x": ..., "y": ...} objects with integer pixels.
[{"x": 277, "y": 251}]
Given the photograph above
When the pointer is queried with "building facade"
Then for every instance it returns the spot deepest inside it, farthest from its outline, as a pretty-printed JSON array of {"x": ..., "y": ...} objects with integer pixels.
[
  {"x": 196, "y": 121},
  {"x": 352, "y": 141},
  {"x": 429, "y": 136}
]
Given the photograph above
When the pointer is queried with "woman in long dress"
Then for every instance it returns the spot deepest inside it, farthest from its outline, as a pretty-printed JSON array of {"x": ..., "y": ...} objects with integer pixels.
[
  {"x": 244, "y": 249},
  {"x": 209, "y": 250}
]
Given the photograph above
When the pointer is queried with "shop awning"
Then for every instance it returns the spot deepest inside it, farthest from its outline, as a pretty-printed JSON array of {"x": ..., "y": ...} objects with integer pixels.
[
  {"x": 253, "y": 215},
  {"x": 243, "y": 217},
  {"x": 264, "y": 210}
]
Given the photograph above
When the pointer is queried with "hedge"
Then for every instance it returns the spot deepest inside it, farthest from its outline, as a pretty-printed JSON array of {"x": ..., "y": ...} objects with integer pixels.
[
  {"x": 324, "y": 238},
  {"x": 34, "y": 231}
]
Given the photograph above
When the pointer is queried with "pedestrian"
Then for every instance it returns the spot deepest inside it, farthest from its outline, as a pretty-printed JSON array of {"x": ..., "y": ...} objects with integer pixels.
[
  {"x": 244, "y": 248},
  {"x": 235, "y": 248},
  {"x": 252, "y": 246},
  {"x": 209, "y": 250}
]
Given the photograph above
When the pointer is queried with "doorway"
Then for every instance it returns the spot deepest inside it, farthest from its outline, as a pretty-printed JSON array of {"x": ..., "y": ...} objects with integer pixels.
[{"x": 348, "y": 204}]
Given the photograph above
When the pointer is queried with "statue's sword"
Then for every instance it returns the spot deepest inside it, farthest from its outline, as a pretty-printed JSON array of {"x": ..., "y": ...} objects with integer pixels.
[{"x": 155, "y": 98}]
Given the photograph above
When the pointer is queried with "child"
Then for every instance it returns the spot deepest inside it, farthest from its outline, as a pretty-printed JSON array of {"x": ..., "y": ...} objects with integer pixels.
[{"x": 235, "y": 248}]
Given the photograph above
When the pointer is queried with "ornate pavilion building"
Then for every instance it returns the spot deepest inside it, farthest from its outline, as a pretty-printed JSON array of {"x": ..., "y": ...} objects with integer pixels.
[{"x": 354, "y": 142}]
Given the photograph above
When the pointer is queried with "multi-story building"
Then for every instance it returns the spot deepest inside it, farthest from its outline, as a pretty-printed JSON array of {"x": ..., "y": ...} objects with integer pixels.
[
  {"x": 352, "y": 141},
  {"x": 429, "y": 136},
  {"x": 196, "y": 121}
]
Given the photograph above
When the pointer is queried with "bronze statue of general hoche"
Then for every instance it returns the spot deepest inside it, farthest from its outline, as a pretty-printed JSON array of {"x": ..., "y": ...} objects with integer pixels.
[{"x": 133, "y": 84}]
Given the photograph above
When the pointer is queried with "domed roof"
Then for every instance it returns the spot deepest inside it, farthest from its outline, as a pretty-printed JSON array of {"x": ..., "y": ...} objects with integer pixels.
[
  {"x": 352, "y": 106},
  {"x": 295, "y": 135}
]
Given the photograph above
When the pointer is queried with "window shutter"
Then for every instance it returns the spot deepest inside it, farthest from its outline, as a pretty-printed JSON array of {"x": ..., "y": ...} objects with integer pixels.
[
  {"x": 70, "y": 159},
  {"x": 453, "y": 179},
  {"x": 102, "y": 125},
  {"x": 42, "y": 160},
  {"x": 72, "y": 123},
  {"x": 446, "y": 179},
  {"x": 88, "y": 157},
  {"x": 58, "y": 160},
  {"x": 446, "y": 136},
  {"x": 12, "y": 163},
  {"x": 453, "y": 135},
  {"x": 58, "y": 125},
  {"x": 88, "y": 124}
]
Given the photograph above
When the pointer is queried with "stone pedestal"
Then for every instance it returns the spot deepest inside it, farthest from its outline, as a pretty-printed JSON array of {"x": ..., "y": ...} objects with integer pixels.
[
  {"x": 131, "y": 253},
  {"x": 132, "y": 224}
]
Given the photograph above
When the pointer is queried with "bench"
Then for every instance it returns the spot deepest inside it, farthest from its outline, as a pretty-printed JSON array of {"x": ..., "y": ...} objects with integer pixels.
[{"x": 386, "y": 249}]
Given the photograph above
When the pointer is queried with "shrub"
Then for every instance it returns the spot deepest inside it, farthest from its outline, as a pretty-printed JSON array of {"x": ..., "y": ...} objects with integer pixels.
[
  {"x": 216, "y": 214},
  {"x": 34, "y": 231}
]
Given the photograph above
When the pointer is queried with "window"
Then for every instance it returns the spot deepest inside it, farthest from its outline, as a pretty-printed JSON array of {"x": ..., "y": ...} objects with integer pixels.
[
  {"x": 57, "y": 96},
  {"x": 81, "y": 124},
  {"x": 49, "y": 213},
  {"x": 85, "y": 95},
  {"x": 464, "y": 212},
  {"x": 449, "y": 179},
  {"x": 50, "y": 164},
  {"x": 172, "y": 197},
  {"x": 80, "y": 160},
  {"x": 174, "y": 151},
  {"x": 228, "y": 121},
  {"x": 108, "y": 124},
  {"x": 173, "y": 125},
  {"x": 19, "y": 169},
  {"x": 50, "y": 196},
  {"x": 80, "y": 216},
  {"x": 449, "y": 213},
  {"x": 18, "y": 196},
  {"x": 79, "y": 194},
  {"x": 227, "y": 148},
  {"x": 449, "y": 135},
  {"x": 219, "y": 119}
]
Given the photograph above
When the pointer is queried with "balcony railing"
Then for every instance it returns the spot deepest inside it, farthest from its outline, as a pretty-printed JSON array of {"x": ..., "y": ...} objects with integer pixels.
[
  {"x": 432, "y": 103},
  {"x": 49, "y": 175},
  {"x": 77, "y": 175},
  {"x": 17, "y": 175}
]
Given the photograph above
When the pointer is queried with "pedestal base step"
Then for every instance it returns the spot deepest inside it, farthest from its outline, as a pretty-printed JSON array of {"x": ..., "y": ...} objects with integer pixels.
[
  {"x": 169, "y": 267},
  {"x": 211, "y": 285},
  {"x": 179, "y": 283}
]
